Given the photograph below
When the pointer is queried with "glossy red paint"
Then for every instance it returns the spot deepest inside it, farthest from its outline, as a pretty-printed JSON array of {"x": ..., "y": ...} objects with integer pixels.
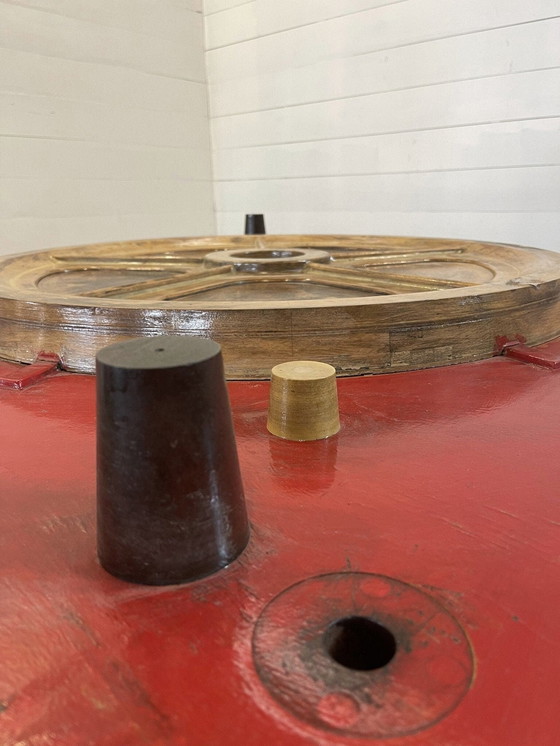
[
  {"x": 502, "y": 344},
  {"x": 547, "y": 355},
  {"x": 447, "y": 480},
  {"x": 18, "y": 376}
]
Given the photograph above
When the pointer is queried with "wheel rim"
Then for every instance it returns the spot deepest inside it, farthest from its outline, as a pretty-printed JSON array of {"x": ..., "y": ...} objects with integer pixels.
[{"x": 365, "y": 304}]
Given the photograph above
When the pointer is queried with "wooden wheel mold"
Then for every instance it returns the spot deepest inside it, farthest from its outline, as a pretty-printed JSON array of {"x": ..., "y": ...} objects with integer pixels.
[{"x": 365, "y": 304}]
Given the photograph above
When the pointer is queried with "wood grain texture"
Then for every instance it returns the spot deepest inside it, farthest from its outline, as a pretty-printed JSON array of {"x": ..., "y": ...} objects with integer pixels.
[
  {"x": 303, "y": 401},
  {"x": 379, "y": 304}
]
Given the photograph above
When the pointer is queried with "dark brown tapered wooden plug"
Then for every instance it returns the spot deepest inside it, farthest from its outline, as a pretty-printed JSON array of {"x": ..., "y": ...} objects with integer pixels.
[
  {"x": 254, "y": 224},
  {"x": 170, "y": 503}
]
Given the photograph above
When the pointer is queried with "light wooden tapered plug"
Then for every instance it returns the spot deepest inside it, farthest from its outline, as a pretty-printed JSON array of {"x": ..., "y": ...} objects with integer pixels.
[{"x": 303, "y": 401}]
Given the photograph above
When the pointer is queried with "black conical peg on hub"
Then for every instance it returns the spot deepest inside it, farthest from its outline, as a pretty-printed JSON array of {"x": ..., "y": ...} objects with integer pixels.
[
  {"x": 170, "y": 503},
  {"x": 254, "y": 224}
]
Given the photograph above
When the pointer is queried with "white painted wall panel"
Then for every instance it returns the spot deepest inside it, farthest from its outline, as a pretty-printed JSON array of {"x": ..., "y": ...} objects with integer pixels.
[
  {"x": 382, "y": 28},
  {"x": 511, "y": 227},
  {"x": 533, "y": 46},
  {"x": 216, "y": 6},
  {"x": 140, "y": 16},
  {"x": 404, "y": 116},
  {"x": 264, "y": 17},
  {"x": 59, "y": 231},
  {"x": 417, "y": 117},
  {"x": 45, "y": 116},
  {"x": 104, "y": 129},
  {"x": 51, "y": 198},
  {"x": 507, "y": 97},
  {"x": 40, "y": 158},
  {"x": 22, "y": 72},
  {"x": 499, "y": 190},
  {"x": 56, "y": 35},
  {"x": 532, "y": 142}
]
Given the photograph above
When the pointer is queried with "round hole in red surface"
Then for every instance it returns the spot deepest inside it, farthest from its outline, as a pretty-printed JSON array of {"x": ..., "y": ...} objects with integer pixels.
[{"x": 359, "y": 643}]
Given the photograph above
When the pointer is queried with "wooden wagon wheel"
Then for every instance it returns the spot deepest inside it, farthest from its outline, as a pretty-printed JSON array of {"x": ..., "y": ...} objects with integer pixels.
[{"x": 366, "y": 304}]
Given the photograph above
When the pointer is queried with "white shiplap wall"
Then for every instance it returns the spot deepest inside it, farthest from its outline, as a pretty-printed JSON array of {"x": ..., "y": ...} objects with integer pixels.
[
  {"x": 414, "y": 117},
  {"x": 103, "y": 122}
]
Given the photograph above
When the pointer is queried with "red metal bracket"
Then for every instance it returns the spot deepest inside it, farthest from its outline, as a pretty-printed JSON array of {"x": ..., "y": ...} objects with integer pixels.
[
  {"x": 502, "y": 344},
  {"x": 20, "y": 376},
  {"x": 546, "y": 355}
]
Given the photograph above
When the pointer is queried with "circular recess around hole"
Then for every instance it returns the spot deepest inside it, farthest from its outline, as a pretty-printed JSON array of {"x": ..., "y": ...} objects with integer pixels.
[
  {"x": 338, "y": 686},
  {"x": 360, "y": 643}
]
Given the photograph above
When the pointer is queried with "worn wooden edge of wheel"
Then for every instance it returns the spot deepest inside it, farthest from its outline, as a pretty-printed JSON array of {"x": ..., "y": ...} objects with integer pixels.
[{"x": 357, "y": 335}]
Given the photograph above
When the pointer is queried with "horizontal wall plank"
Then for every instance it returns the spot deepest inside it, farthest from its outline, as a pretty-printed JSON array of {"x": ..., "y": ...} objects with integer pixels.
[
  {"x": 421, "y": 117},
  {"x": 217, "y": 6},
  {"x": 263, "y": 17},
  {"x": 166, "y": 20},
  {"x": 508, "y": 97},
  {"x": 41, "y": 116},
  {"x": 104, "y": 128},
  {"x": 29, "y": 158},
  {"x": 381, "y": 28},
  {"x": 24, "y": 72},
  {"x": 73, "y": 198},
  {"x": 497, "y": 145},
  {"x": 34, "y": 233},
  {"x": 52, "y": 35},
  {"x": 541, "y": 230},
  {"x": 496, "y": 52},
  {"x": 194, "y": 5},
  {"x": 500, "y": 190}
]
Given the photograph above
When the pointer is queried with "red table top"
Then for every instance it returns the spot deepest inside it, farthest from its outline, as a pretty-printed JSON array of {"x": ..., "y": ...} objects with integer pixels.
[{"x": 445, "y": 480}]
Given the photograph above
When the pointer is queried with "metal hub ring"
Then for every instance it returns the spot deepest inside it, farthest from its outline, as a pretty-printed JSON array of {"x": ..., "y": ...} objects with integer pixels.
[{"x": 267, "y": 260}]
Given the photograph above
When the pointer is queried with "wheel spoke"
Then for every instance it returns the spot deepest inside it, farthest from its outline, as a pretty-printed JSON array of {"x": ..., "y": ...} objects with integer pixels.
[
  {"x": 128, "y": 263},
  {"x": 385, "y": 260},
  {"x": 378, "y": 282},
  {"x": 352, "y": 279},
  {"x": 184, "y": 291},
  {"x": 161, "y": 288},
  {"x": 407, "y": 282},
  {"x": 424, "y": 281},
  {"x": 390, "y": 253}
]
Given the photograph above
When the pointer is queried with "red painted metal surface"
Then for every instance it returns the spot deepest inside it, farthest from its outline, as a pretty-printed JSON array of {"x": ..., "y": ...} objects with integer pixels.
[
  {"x": 547, "y": 355},
  {"x": 18, "y": 376},
  {"x": 446, "y": 480}
]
